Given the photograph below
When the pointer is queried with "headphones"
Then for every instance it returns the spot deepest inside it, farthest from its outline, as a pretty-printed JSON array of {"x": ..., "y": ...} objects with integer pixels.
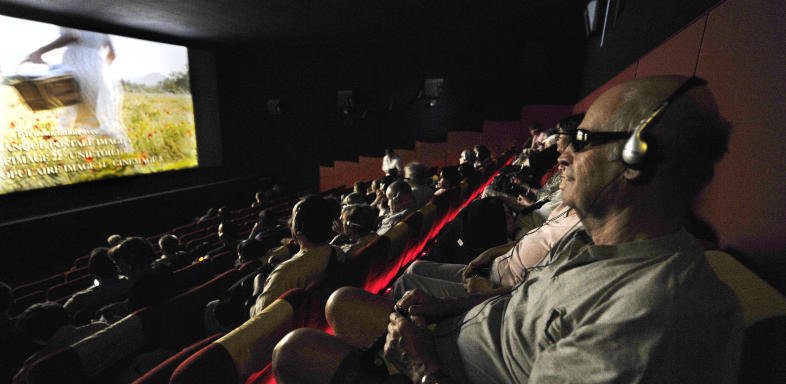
[{"x": 636, "y": 149}]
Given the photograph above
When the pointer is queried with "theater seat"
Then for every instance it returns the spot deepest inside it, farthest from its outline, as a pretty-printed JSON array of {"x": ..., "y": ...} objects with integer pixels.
[
  {"x": 40, "y": 285},
  {"x": 81, "y": 261},
  {"x": 244, "y": 351},
  {"x": 25, "y": 301},
  {"x": 63, "y": 290},
  {"x": 191, "y": 275},
  {"x": 75, "y": 273},
  {"x": 94, "y": 357},
  {"x": 222, "y": 262},
  {"x": 429, "y": 213},
  {"x": 182, "y": 319},
  {"x": 764, "y": 310},
  {"x": 162, "y": 372}
]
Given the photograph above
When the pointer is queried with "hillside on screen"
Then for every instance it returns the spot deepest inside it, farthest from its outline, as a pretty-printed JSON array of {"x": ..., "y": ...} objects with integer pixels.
[{"x": 79, "y": 106}]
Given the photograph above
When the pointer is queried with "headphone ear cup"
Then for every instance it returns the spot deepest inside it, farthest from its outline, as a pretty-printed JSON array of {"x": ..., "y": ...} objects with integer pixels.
[{"x": 635, "y": 150}]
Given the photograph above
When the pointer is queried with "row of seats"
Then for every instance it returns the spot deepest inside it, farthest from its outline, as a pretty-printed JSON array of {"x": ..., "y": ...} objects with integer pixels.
[
  {"x": 61, "y": 286},
  {"x": 244, "y": 355},
  {"x": 166, "y": 329}
]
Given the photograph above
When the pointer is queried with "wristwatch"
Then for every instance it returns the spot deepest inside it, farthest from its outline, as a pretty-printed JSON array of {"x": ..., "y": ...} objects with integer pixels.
[{"x": 435, "y": 377}]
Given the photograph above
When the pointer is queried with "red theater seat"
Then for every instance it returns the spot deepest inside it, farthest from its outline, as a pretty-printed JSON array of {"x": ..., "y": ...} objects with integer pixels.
[
  {"x": 93, "y": 358},
  {"x": 25, "y": 301},
  {"x": 162, "y": 372},
  {"x": 76, "y": 273},
  {"x": 182, "y": 318},
  {"x": 81, "y": 261},
  {"x": 222, "y": 262},
  {"x": 63, "y": 290},
  {"x": 191, "y": 275},
  {"x": 244, "y": 351},
  {"x": 42, "y": 284}
]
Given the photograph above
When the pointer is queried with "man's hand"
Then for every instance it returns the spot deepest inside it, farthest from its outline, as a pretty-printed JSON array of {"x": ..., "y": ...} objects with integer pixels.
[
  {"x": 420, "y": 305},
  {"x": 478, "y": 262},
  {"x": 478, "y": 285},
  {"x": 409, "y": 346}
]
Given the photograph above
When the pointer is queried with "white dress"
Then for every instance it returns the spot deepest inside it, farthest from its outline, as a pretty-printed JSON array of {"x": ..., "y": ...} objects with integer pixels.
[{"x": 102, "y": 96}]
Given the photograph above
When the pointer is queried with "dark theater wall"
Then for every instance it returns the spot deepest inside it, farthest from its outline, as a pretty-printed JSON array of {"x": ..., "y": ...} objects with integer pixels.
[
  {"x": 634, "y": 28},
  {"x": 486, "y": 78}
]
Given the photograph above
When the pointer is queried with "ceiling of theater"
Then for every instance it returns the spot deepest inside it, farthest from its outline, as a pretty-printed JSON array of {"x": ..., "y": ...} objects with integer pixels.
[{"x": 300, "y": 21}]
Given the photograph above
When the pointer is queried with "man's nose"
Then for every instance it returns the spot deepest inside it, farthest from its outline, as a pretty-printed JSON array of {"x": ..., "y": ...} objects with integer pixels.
[{"x": 564, "y": 159}]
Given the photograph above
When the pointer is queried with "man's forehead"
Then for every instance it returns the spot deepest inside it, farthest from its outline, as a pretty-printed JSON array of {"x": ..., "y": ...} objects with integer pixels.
[{"x": 602, "y": 109}]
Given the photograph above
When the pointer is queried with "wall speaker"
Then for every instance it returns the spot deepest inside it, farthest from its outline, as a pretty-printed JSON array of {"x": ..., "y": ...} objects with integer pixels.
[
  {"x": 432, "y": 88},
  {"x": 274, "y": 107}
]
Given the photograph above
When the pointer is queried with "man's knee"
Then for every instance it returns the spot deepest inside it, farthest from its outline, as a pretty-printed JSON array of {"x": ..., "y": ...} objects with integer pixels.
[
  {"x": 357, "y": 316},
  {"x": 342, "y": 302},
  {"x": 306, "y": 344}
]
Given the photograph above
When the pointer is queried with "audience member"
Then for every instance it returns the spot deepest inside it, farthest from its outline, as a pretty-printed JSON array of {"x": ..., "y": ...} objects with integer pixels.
[
  {"x": 416, "y": 175},
  {"x": 15, "y": 346},
  {"x": 268, "y": 226},
  {"x": 449, "y": 178},
  {"x": 482, "y": 156},
  {"x": 151, "y": 288},
  {"x": 390, "y": 161},
  {"x": 133, "y": 256},
  {"x": 229, "y": 235},
  {"x": 109, "y": 286},
  {"x": 48, "y": 325},
  {"x": 353, "y": 198},
  {"x": 630, "y": 297},
  {"x": 400, "y": 204},
  {"x": 113, "y": 240},
  {"x": 467, "y": 157},
  {"x": 499, "y": 266},
  {"x": 259, "y": 200},
  {"x": 173, "y": 254},
  {"x": 358, "y": 223},
  {"x": 209, "y": 215},
  {"x": 311, "y": 222}
]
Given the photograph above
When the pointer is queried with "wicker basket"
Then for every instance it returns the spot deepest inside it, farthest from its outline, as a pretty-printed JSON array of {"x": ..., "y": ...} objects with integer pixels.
[{"x": 48, "y": 92}]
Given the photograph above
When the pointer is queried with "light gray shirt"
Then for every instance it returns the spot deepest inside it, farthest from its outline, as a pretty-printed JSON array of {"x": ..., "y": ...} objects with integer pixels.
[{"x": 645, "y": 312}]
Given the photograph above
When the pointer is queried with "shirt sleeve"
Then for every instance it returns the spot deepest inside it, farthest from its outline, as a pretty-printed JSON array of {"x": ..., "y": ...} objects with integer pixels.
[{"x": 278, "y": 282}]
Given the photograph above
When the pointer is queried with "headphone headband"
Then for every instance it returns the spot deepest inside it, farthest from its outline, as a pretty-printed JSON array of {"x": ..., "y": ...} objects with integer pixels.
[{"x": 635, "y": 150}]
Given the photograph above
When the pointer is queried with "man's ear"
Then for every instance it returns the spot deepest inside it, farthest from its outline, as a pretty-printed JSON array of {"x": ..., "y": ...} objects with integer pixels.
[{"x": 633, "y": 175}]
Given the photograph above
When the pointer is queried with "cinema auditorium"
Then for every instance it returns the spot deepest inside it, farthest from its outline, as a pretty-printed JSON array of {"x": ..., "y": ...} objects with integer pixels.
[{"x": 347, "y": 191}]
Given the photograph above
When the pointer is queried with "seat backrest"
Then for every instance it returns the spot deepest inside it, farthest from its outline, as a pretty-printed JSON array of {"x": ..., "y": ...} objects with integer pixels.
[
  {"x": 240, "y": 353},
  {"x": 429, "y": 213},
  {"x": 21, "y": 303},
  {"x": 76, "y": 273},
  {"x": 163, "y": 371},
  {"x": 182, "y": 319},
  {"x": 399, "y": 237},
  {"x": 191, "y": 275},
  {"x": 92, "y": 356},
  {"x": 41, "y": 285},
  {"x": 764, "y": 309},
  {"x": 81, "y": 261},
  {"x": 68, "y": 288},
  {"x": 758, "y": 299},
  {"x": 222, "y": 262}
]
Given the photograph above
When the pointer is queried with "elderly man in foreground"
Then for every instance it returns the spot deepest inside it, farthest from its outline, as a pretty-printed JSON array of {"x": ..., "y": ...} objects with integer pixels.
[{"x": 628, "y": 298}]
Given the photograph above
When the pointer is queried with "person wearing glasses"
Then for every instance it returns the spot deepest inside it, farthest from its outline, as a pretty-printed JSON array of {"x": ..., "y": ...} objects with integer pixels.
[{"x": 627, "y": 298}]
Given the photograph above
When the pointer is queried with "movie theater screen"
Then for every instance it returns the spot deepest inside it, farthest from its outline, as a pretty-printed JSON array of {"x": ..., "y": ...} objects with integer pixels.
[{"x": 78, "y": 106}]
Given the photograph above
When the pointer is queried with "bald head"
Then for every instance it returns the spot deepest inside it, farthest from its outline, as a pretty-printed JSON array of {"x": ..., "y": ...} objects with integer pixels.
[{"x": 684, "y": 144}]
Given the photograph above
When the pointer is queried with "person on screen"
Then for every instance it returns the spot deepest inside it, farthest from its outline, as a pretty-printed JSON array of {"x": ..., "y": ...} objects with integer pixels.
[{"x": 102, "y": 96}]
